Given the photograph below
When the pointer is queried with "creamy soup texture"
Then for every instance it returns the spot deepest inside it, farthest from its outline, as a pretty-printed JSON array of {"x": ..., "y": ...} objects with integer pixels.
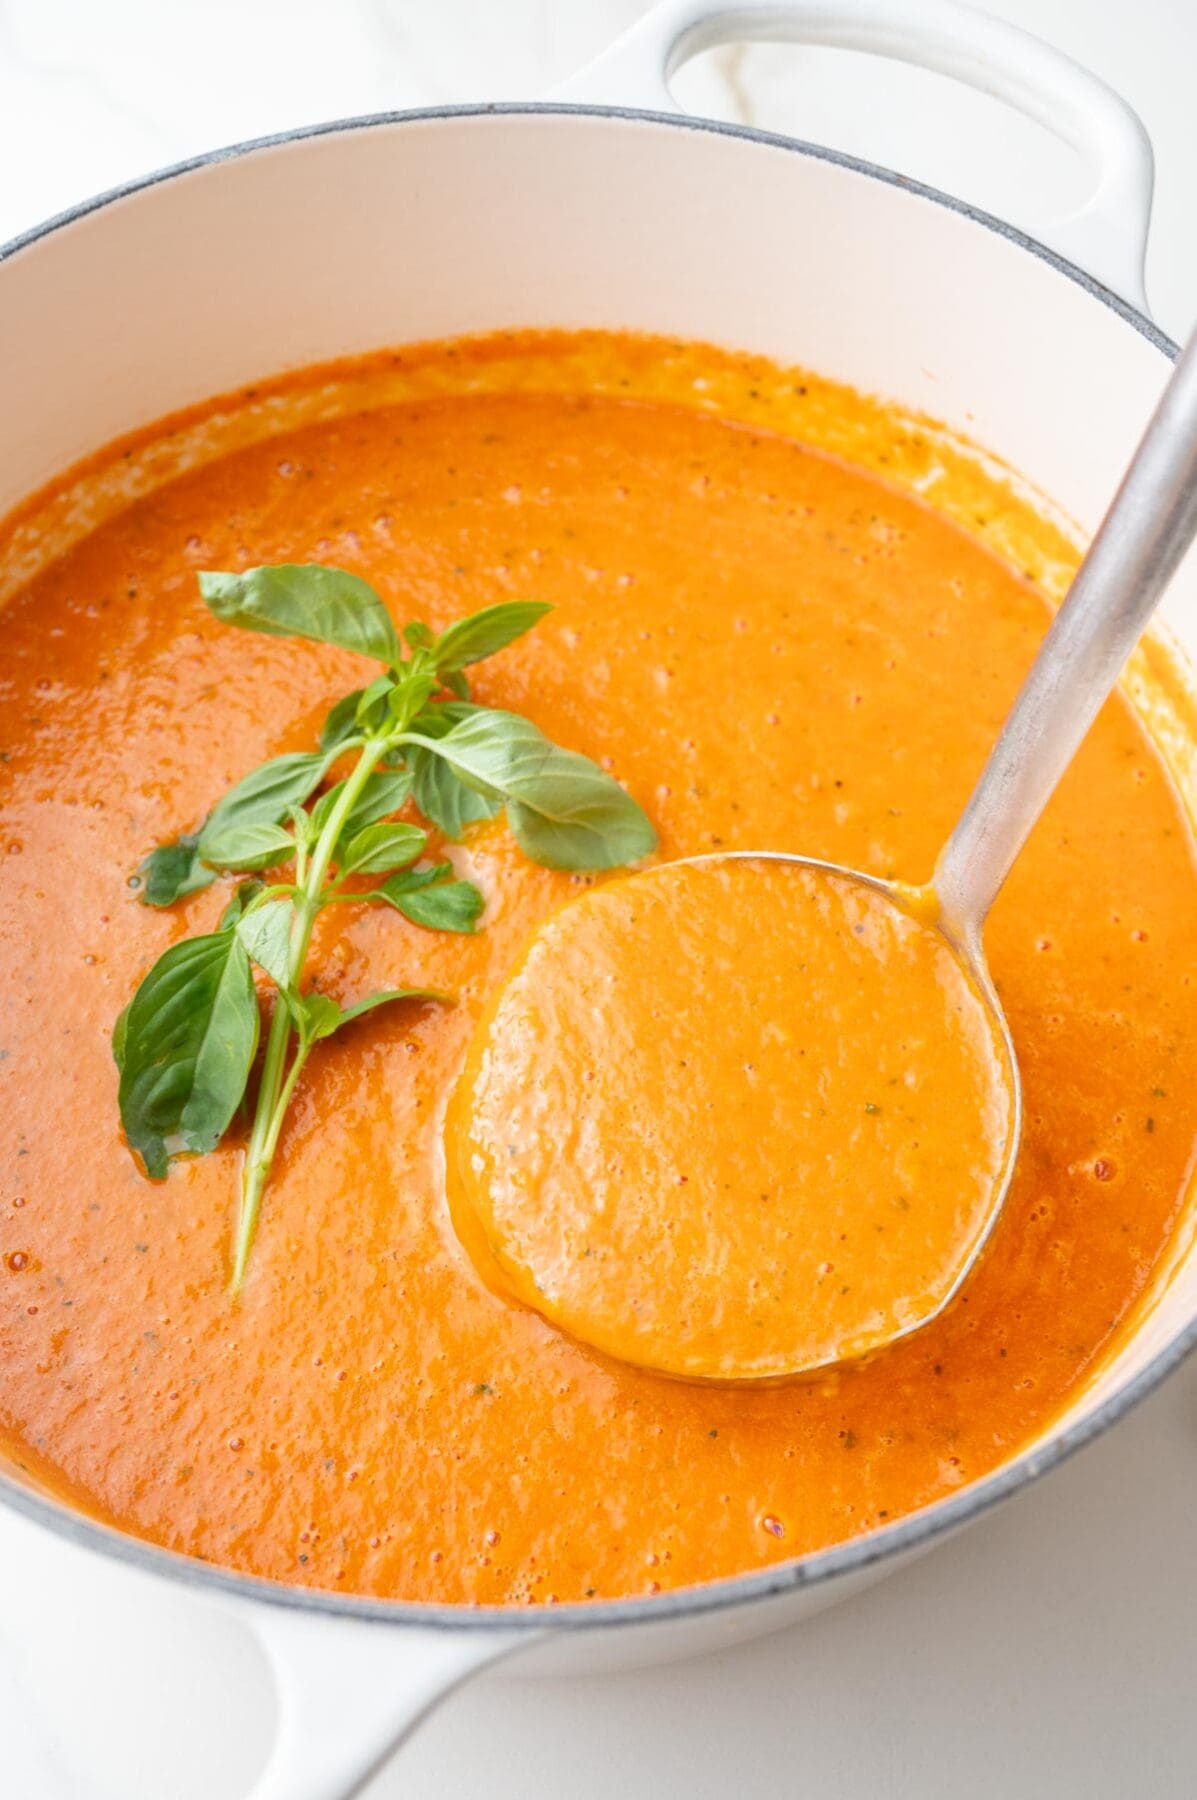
[{"x": 773, "y": 642}]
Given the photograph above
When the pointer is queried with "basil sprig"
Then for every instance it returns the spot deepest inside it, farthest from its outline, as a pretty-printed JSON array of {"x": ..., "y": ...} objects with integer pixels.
[
  {"x": 184, "y": 1046},
  {"x": 186, "y": 1043}
]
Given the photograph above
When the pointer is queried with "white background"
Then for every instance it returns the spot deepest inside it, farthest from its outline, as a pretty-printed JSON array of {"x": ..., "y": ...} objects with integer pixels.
[{"x": 1050, "y": 1653}]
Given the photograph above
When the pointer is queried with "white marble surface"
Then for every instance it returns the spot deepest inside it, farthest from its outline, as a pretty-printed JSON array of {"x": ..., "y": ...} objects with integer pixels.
[{"x": 1047, "y": 1654}]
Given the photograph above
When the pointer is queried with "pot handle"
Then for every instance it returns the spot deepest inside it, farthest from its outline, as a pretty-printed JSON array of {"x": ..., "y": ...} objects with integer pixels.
[
  {"x": 350, "y": 1691},
  {"x": 1106, "y": 237}
]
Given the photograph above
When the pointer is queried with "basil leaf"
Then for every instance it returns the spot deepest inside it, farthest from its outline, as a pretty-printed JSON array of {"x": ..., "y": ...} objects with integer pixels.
[
  {"x": 564, "y": 812},
  {"x": 438, "y": 720},
  {"x": 300, "y": 821},
  {"x": 305, "y": 600},
  {"x": 414, "y": 692},
  {"x": 317, "y": 1016},
  {"x": 247, "y": 846},
  {"x": 248, "y": 890},
  {"x": 357, "y": 712},
  {"x": 322, "y": 811},
  {"x": 443, "y": 798},
  {"x": 267, "y": 793},
  {"x": 320, "y": 1016},
  {"x": 419, "y": 635},
  {"x": 436, "y": 788},
  {"x": 481, "y": 634},
  {"x": 173, "y": 870},
  {"x": 382, "y": 847},
  {"x": 436, "y": 904},
  {"x": 407, "y": 880},
  {"x": 384, "y": 999},
  {"x": 120, "y": 1032},
  {"x": 456, "y": 683},
  {"x": 341, "y": 722},
  {"x": 566, "y": 827},
  {"x": 385, "y": 792},
  {"x": 265, "y": 934},
  {"x": 263, "y": 797},
  {"x": 186, "y": 1043},
  {"x": 371, "y": 705}
]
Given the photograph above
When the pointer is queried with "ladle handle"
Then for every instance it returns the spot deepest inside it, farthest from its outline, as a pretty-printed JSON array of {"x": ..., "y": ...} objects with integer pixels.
[{"x": 1140, "y": 542}]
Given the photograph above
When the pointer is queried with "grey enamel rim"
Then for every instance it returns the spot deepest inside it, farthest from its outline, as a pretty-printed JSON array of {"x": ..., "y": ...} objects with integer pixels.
[{"x": 916, "y": 1530}]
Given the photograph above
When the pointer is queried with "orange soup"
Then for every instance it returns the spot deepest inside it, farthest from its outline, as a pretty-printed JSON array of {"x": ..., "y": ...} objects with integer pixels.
[
  {"x": 732, "y": 1118},
  {"x": 774, "y": 642}
]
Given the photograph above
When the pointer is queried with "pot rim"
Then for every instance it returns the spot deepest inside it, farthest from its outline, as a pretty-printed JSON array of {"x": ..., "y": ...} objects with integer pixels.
[{"x": 915, "y": 1530}]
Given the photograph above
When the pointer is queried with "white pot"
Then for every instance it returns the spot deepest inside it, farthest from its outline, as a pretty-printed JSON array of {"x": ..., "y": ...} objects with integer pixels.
[{"x": 410, "y": 226}]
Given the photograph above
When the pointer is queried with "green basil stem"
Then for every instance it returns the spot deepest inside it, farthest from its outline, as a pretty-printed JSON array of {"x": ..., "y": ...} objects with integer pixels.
[{"x": 278, "y": 1082}]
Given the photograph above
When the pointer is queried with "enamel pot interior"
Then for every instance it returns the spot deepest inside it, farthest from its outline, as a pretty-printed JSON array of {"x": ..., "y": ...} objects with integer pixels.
[{"x": 398, "y": 229}]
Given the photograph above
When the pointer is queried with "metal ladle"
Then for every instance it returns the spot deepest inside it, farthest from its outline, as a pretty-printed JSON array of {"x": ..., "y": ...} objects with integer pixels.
[{"x": 1148, "y": 527}]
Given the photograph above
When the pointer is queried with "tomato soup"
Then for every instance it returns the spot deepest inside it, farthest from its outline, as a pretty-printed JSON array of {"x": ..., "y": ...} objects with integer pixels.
[{"x": 773, "y": 641}]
